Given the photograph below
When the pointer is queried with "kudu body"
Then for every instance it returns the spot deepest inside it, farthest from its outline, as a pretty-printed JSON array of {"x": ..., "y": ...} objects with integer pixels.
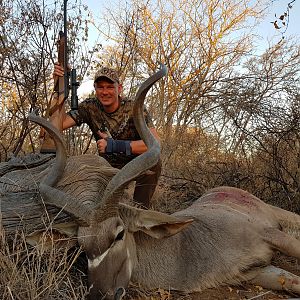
[
  {"x": 232, "y": 239},
  {"x": 226, "y": 237}
]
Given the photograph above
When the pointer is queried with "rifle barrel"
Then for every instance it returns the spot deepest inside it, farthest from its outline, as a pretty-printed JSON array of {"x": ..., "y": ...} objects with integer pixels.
[
  {"x": 74, "y": 86},
  {"x": 66, "y": 70}
]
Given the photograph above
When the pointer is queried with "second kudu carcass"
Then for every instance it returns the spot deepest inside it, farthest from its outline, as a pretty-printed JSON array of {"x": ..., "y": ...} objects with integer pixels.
[{"x": 226, "y": 237}]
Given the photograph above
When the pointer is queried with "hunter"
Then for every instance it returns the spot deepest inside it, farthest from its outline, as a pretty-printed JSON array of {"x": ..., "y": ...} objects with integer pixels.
[{"x": 109, "y": 117}]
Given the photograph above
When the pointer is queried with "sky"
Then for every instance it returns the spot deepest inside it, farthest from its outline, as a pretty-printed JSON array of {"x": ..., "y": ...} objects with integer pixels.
[
  {"x": 265, "y": 31},
  {"x": 277, "y": 7}
]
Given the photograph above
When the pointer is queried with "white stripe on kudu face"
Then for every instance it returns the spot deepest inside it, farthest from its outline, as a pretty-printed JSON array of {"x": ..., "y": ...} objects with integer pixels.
[
  {"x": 129, "y": 263},
  {"x": 95, "y": 262}
]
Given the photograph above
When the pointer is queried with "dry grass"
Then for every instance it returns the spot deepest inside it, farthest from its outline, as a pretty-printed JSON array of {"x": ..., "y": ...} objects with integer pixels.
[{"x": 39, "y": 272}]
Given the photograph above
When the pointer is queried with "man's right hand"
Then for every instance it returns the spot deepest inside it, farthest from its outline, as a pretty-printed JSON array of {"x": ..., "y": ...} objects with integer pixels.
[
  {"x": 102, "y": 142},
  {"x": 58, "y": 71}
]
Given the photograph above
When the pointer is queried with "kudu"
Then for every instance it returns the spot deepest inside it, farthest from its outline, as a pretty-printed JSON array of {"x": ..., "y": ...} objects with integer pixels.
[{"x": 226, "y": 237}]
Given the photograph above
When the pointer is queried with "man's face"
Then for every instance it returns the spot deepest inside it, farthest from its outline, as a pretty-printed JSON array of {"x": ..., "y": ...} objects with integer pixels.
[{"x": 108, "y": 92}]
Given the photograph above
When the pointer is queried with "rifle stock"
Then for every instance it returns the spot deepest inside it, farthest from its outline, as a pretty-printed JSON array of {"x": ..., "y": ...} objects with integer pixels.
[{"x": 56, "y": 109}]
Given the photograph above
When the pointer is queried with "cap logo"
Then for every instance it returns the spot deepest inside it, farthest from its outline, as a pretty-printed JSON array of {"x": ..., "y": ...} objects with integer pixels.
[{"x": 108, "y": 73}]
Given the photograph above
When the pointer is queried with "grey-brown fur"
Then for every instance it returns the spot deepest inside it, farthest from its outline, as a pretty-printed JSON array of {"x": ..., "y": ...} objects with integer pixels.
[
  {"x": 222, "y": 245},
  {"x": 232, "y": 239}
]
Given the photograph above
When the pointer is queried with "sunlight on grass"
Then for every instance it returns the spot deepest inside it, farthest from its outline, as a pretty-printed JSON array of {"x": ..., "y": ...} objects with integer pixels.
[{"x": 39, "y": 272}]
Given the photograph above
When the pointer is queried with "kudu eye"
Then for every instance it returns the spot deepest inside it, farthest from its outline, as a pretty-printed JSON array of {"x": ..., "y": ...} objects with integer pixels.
[{"x": 120, "y": 235}]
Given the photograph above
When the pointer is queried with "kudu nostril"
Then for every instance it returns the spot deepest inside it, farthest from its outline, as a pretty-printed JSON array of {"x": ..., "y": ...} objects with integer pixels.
[{"x": 120, "y": 293}]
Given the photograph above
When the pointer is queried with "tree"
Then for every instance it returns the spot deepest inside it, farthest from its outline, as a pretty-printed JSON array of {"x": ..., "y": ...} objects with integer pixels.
[
  {"x": 199, "y": 43},
  {"x": 28, "y": 35},
  {"x": 281, "y": 22}
]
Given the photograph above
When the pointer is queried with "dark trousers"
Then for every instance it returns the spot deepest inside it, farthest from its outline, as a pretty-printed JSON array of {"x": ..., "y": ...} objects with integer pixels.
[{"x": 145, "y": 186}]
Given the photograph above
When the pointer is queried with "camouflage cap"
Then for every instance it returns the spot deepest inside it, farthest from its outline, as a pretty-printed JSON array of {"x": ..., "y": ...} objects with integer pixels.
[{"x": 111, "y": 74}]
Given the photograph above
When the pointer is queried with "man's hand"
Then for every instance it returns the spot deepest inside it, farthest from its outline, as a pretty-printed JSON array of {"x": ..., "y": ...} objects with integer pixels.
[
  {"x": 109, "y": 145},
  {"x": 58, "y": 71},
  {"x": 102, "y": 143}
]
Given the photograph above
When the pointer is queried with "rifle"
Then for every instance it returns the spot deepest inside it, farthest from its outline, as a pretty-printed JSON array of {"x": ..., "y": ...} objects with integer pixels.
[
  {"x": 69, "y": 75},
  {"x": 56, "y": 109}
]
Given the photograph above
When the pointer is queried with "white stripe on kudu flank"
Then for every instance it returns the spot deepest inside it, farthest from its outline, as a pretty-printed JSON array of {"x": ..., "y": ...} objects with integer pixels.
[{"x": 94, "y": 263}]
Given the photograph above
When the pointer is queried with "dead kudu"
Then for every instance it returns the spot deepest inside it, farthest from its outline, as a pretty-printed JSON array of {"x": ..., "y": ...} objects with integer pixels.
[{"x": 226, "y": 237}]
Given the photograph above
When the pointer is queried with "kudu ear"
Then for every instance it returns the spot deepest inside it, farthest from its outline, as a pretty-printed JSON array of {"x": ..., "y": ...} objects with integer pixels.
[
  {"x": 63, "y": 234},
  {"x": 153, "y": 223}
]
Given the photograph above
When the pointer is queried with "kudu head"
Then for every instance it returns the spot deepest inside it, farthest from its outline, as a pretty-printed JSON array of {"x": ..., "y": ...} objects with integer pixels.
[{"x": 111, "y": 247}]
